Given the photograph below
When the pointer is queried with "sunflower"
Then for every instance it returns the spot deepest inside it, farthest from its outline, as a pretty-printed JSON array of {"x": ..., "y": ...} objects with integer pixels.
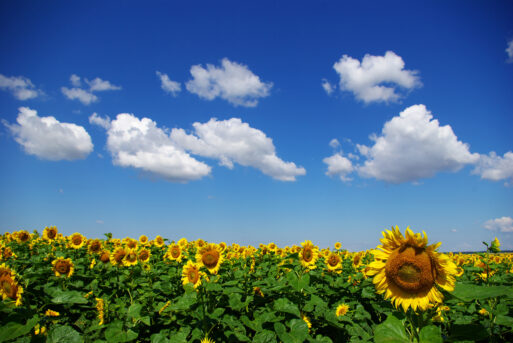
[
  {"x": 334, "y": 262},
  {"x": 308, "y": 255},
  {"x": 144, "y": 255},
  {"x": 207, "y": 339},
  {"x": 100, "y": 307},
  {"x": 22, "y": 236},
  {"x": 174, "y": 253},
  {"x": 52, "y": 313},
  {"x": 409, "y": 271},
  {"x": 158, "y": 242},
  {"x": 191, "y": 274},
  {"x": 116, "y": 258},
  {"x": 182, "y": 242},
  {"x": 210, "y": 256},
  {"x": 9, "y": 288},
  {"x": 50, "y": 233},
  {"x": 105, "y": 256},
  {"x": 130, "y": 258},
  {"x": 95, "y": 246},
  {"x": 357, "y": 260},
  {"x": 338, "y": 245},
  {"x": 7, "y": 253},
  {"x": 63, "y": 266},
  {"x": 342, "y": 310},
  {"x": 76, "y": 240},
  {"x": 130, "y": 243},
  {"x": 307, "y": 321},
  {"x": 143, "y": 239}
]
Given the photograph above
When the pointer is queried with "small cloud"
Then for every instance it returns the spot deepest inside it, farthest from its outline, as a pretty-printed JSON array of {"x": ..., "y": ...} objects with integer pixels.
[
  {"x": 86, "y": 96},
  {"x": 99, "y": 85},
  {"x": 97, "y": 120},
  {"x": 169, "y": 86},
  {"x": 509, "y": 51},
  {"x": 79, "y": 94},
  {"x": 495, "y": 168},
  {"x": 340, "y": 166},
  {"x": 75, "y": 80},
  {"x": 20, "y": 87},
  {"x": 210, "y": 197},
  {"x": 231, "y": 81},
  {"x": 328, "y": 87},
  {"x": 454, "y": 230},
  {"x": 61, "y": 190},
  {"x": 99, "y": 222},
  {"x": 334, "y": 143},
  {"x": 503, "y": 224},
  {"x": 375, "y": 78}
]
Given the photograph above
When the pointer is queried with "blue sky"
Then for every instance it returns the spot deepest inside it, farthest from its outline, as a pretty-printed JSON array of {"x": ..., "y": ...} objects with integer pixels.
[{"x": 266, "y": 121}]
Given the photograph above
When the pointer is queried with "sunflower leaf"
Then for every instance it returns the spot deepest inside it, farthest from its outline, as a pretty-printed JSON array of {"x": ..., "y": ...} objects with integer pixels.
[
  {"x": 470, "y": 292},
  {"x": 430, "y": 334},
  {"x": 391, "y": 330},
  {"x": 69, "y": 297}
]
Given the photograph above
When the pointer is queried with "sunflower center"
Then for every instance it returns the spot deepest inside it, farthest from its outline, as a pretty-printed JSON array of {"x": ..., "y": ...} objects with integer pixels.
[
  {"x": 175, "y": 252},
  {"x": 411, "y": 269},
  {"x": 210, "y": 258},
  {"x": 307, "y": 254},
  {"x": 51, "y": 234},
  {"x": 143, "y": 255},
  {"x": 193, "y": 275},
  {"x": 24, "y": 237},
  {"x": 104, "y": 258},
  {"x": 8, "y": 286},
  {"x": 77, "y": 240},
  {"x": 333, "y": 260},
  {"x": 96, "y": 246},
  {"x": 62, "y": 267},
  {"x": 131, "y": 257},
  {"x": 119, "y": 256}
]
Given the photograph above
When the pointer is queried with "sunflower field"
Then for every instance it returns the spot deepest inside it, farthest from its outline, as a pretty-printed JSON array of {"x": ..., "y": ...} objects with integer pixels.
[{"x": 59, "y": 288}]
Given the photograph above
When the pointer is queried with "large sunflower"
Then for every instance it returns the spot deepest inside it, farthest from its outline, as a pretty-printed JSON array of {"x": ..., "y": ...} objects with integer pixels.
[
  {"x": 50, "y": 233},
  {"x": 63, "y": 266},
  {"x": 77, "y": 241},
  {"x": 210, "y": 256},
  {"x": 22, "y": 236},
  {"x": 130, "y": 258},
  {"x": 174, "y": 253},
  {"x": 95, "y": 246},
  {"x": 116, "y": 258},
  {"x": 191, "y": 274},
  {"x": 334, "y": 262},
  {"x": 9, "y": 288},
  {"x": 409, "y": 271},
  {"x": 308, "y": 255}
]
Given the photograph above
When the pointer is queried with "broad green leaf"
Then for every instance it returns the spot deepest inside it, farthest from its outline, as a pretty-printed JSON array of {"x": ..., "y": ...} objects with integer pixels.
[
  {"x": 287, "y": 306},
  {"x": 159, "y": 338},
  {"x": 504, "y": 320},
  {"x": 64, "y": 334},
  {"x": 117, "y": 335},
  {"x": 264, "y": 336},
  {"x": 12, "y": 330},
  {"x": 298, "y": 329},
  {"x": 69, "y": 297},
  {"x": 390, "y": 331},
  {"x": 134, "y": 311},
  {"x": 470, "y": 292},
  {"x": 430, "y": 334}
]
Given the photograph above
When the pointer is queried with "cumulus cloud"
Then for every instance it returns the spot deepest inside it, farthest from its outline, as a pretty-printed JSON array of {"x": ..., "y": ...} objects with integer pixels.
[
  {"x": 49, "y": 139},
  {"x": 168, "y": 85},
  {"x": 231, "y": 81},
  {"x": 139, "y": 143},
  {"x": 86, "y": 96},
  {"x": 504, "y": 224},
  {"x": 80, "y": 94},
  {"x": 327, "y": 86},
  {"x": 232, "y": 141},
  {"x": 97, "y": 120},
  {"x": 495, "y": 168},
  {"x": 334, "y": 143},
  {"x": 414, "y": 146},
  {"x": 340, "y": 166},
  {"x": 375, "y": 78},
  {"x": 509, "y": 51},
  {"x": 99, "y": 85},
  {"x": 20, "y": 87}
]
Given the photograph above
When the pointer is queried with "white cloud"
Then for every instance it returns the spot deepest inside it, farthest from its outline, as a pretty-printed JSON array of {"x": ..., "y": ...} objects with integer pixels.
[
  {"x": 99, "y": 85},
  {"x": 454, "y": 230},
  {"x": 20, "y": 87},
  {"x": 509, "y": 51},
  {"x": 168, "y": 85},
  {"x": 80, "y": 94},
  {"x": 334, "y": 143},
  {"x": 413, "y": 146},
  {"x": 232, "y": 141},
  {"x": 86, "y": 96},
  {"x": 328, "y": 87},
  {"x": 339, "y": 165},
  {"x": 97, "y": 120},
  {"x": 495, "y": 168},
  {"x": 366, "y": 79},
  {"x": 47, "y": 138},
  {"x": 504, "y": 224},
  {"x": 75, "y": 80},
  {"x": 139, "y": 143},
  {"x": 232, "y": 81}
]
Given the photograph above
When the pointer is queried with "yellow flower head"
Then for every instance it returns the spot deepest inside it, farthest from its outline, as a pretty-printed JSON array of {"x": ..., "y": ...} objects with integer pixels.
[
  {"x": 307, "y": 321},
  {"x": 210, "y": 257},
  {"x": 9, "y": 288},
  {"x": 174, "y": 252},
  {"x": 159, "y": 242},
  {"x": 144, "y": 255},
  {"x": 63, "y": 266},
  {"x": 334, "y": 262},
  {"x": 50, "y": 233},
  {"x": 409, "y": 272},
  {"x": 130, "y": 258},
  {"x": 342, "y": 310},
  {"x": 338, "y": 245},
  {"x": 116, "y": 258},
  {"x": 51, "y": 313},
  {"x": 483, "y": 312},
  {"x": 95, "y": 246},
  {"x": 22, "y": 236},
  {"x": 143, "y": 239},
  {"x": 308, "y": 255},
  {"x": 76, "y": 240},
  {"x": 191, "y": 274}
]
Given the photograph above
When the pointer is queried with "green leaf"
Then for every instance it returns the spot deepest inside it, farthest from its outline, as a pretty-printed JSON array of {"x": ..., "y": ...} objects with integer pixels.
[
  {"x": 390, "y": 331},
  {"x": 298, "y": 329},
  {"x": 69, "y": 297},
  {"x": 471, "y": 332},
  {"x": 471, "y": 292},
  {"x": 430, "y": 334},
  {"x": 504, "y": 320},
  {"x": 134, "y": 311},
  {"x": 287, "y": 306},
  {"x": 116, "y": 335},
  {"x": 264, "y": 336},
  {"x": 159, "y": 338},
  {"x": 64, "y": 334},
  {"x": 12, "y": 330}
]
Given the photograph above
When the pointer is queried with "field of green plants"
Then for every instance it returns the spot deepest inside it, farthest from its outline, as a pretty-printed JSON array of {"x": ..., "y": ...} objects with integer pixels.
[{"x": 59, "y": 288}]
